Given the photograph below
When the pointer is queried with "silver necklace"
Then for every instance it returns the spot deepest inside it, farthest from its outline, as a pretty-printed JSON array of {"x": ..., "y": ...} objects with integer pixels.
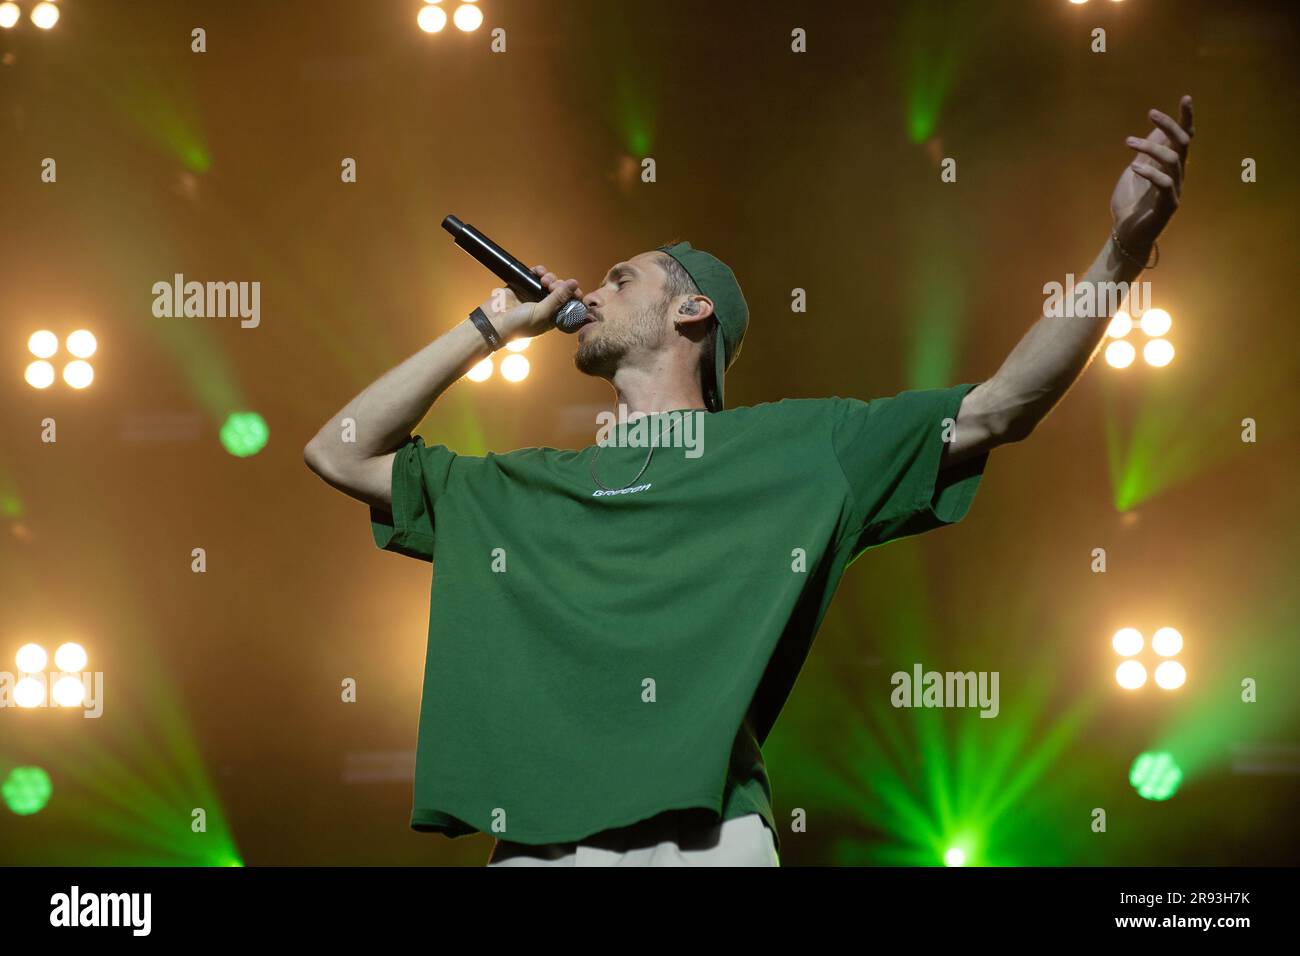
[{"x": 649, "y": 455}]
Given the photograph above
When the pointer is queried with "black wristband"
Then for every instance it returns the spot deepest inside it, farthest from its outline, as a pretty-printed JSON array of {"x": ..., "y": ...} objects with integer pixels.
[{"x": 480, "y": 320}]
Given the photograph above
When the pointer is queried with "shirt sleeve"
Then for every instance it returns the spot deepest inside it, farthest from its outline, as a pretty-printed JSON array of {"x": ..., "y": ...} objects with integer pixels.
[
  {"x": 420, "y": 477},
  {"x": 889, "y": 451}
]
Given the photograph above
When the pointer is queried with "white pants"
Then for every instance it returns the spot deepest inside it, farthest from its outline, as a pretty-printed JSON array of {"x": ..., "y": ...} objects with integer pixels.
[{"x": 669, "y": 839}]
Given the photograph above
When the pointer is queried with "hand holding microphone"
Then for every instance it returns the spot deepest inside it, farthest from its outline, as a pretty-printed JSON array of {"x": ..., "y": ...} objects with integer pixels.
[
  {"x": 514, "y": 319},
  {"x": 546, "y": 301}
]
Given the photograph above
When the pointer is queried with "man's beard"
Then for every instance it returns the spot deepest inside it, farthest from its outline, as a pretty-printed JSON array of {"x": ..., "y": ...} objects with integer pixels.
[{"x": 602, "y": 354}]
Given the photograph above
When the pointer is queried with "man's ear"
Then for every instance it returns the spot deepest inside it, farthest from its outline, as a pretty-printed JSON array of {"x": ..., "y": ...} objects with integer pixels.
[{"x": 694, "y": 308}]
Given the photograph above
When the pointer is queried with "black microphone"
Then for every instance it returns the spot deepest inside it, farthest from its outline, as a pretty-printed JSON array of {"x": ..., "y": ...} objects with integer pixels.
[{"x": 518, "y": 278}]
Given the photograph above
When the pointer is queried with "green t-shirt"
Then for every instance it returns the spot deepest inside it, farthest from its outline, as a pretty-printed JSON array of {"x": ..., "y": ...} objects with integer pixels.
[{"x": 597, "y": 658}]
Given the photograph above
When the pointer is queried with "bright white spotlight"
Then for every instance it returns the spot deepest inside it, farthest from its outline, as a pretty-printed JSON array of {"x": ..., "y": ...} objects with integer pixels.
[
  {"x": 43, "y": 344},
  {"x": 40, "y": 374},
  {"x": 1127, "y": 641},
  {"x": 29, "y": 692},
  {"x": 45, "y": 15},
  {"x": 1121, "y": 324},
  {"x": 955, "y": 856},
  {"x": 82, "y": 344},
  {"x": 1170, "y": 675},
  {"x": 1130, "y": 675},
  {"x": 467, "y": 17},
  {"x": 1158, "y": 352},
  {"x": 1166, "y": 642},
  {"x": 9, "y": 14},
  {"x": 1120, "y": 354},
  {"x": 70, "y": 657},
  {"x": 1155, "y": 322},
  {"x": 78, "y": 374},
  {"x": 431, "y": 19},
  {"x": 480, "y": 372},
  {"x": 69, "y": 691},
  {"x": 518, "y": 345},
  {"x": 514, "y": 368},
  {"x": 31, "y": 658}
]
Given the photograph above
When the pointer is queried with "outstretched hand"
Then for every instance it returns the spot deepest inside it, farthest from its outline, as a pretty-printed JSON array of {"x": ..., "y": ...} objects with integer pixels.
[{"x": 1149, "y": 190}]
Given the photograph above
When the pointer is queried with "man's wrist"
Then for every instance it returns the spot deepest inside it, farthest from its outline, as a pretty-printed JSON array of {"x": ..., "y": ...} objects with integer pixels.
[
  {"x": 1136, "y": 252},
  {"x": 493, "y": 337}
]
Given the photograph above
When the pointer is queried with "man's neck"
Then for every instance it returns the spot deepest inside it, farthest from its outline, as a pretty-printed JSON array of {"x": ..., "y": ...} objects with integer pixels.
[{"x": 640, "y": 394}]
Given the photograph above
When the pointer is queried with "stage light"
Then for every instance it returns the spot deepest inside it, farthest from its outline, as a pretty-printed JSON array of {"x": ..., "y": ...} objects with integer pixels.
[
  {"x": 29, "y": 692},
  {"x": 78, "y": 373},
  {"x": 480, "y": 372},
  {"x": 514, "y": 368},
  {"x": 1127, "y": 641},
  {"x": 1120, "y": 354},
  {"x": 1131, "y": 675},
  {"x": 70, "y": 658},
  {"x": 43, "y": 343},
  {"x": 69, "y": 691},
  {"x": 1170, "y": 675},
  {"x": 81, "y": 343},
  {"x": 955, "y": 856},
  {"x": 1155, "y": 322},
  {"x": 9, "y": 14},
  {"x": 518, "y": 345},
  {"x": 1121, "y": 324},
  {"x": 45, "y": 15},
  {"x": 467, "y": 17},
  {"x": 244, "y": 434},
  {"x": 31, "y": 658},
  {"x": 1158, "y": 352},
  {"x": 431, "y": 19},
  {"x": 1155, "y": 775},
  {"x": 39, "y": 374},
  {"x": 26, "y": 790},
  {"x": 1166, "y": 642}
]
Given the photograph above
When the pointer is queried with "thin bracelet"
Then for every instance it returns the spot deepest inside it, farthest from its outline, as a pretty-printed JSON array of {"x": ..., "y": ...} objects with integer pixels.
[{"x": 1114, "y": 236}]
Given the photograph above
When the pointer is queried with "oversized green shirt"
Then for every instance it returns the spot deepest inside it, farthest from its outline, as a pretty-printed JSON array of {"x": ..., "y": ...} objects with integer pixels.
[{"x": 597, "y": 658}]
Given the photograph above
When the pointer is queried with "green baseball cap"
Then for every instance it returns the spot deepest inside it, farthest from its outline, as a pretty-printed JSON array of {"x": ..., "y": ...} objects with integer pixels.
[{"x": 718, "y": 282}]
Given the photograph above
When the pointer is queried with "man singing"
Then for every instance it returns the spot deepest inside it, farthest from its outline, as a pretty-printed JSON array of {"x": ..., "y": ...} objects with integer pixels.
[{"x": 613, "y": 631}]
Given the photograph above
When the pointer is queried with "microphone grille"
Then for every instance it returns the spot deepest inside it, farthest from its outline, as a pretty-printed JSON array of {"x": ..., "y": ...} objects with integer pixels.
[{"x": 571, "y": 316}]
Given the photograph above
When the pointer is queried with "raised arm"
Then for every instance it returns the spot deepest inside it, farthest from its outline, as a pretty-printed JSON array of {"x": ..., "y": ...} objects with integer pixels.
[
  {"x": 386, "y": 411},
  {"x": 1056, "y": 350}
]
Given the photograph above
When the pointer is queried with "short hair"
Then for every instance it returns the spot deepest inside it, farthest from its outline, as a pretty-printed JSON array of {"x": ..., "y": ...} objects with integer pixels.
[{"x": 679, "y": 282}]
